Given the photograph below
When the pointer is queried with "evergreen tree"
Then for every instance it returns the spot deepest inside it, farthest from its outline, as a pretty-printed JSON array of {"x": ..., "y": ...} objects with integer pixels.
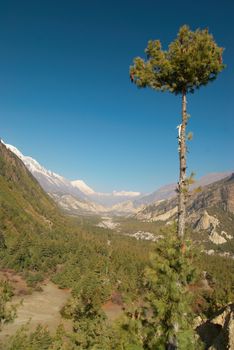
[
  {"x": 165, "y": 319},
  {"x": 7, "y": 313},
  {"x": 192, "y": 60},
  {"x": 39, "y": 339}
]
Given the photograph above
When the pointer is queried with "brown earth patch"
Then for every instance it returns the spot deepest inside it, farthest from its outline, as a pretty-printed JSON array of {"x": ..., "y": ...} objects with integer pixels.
[
  {"x": 114, "y": 307},
  {"x": 39, "y": 307},
  {"x": 16, "y": 280}
]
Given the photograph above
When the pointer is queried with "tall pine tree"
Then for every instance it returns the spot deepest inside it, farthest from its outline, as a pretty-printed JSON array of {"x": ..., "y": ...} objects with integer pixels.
[{"x": 192, "y": 60}]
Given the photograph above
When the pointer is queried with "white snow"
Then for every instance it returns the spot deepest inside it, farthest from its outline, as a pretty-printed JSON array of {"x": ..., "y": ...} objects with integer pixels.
[
  {"x": 48, "y": 179},
  {"x": 14, "y": 150},
  {"x": 125, "y": 193},
  {"x": 34, "y": 167},
  {"x": 82, "y": 186}
]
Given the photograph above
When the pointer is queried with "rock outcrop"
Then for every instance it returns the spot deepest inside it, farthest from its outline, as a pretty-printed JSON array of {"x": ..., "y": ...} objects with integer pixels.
[
  {"x": 210, "y": 209},
  {"x": 218, "y": 332},
  {"x": 206, "y": 222}
]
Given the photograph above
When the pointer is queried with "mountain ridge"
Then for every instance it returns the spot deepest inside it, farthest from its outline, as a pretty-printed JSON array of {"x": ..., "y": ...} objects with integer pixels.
[
  {"x": 209, "y": 209},
  {"x": 56, "y": 184},
  {"x": 77, "y": 197},
  {"x": 24, "y": 205}
]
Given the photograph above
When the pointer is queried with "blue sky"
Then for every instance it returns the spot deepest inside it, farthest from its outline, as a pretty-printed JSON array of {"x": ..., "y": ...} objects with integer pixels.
[{"x": 66, "y": 98}]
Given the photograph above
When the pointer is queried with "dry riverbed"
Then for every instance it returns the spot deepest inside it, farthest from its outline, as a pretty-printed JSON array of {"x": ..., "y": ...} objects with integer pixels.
[{"x": 108, "y": 223}]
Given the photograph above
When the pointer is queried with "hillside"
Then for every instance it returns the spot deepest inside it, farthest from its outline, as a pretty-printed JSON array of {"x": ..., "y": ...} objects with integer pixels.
[
  {"x": 25, "y": 207},
  {"x": 169, "y": 191},
  {"x": 210, "y": 212},
  {"x": 74, "y": 197},
  {"x": 104, "y": 270}
]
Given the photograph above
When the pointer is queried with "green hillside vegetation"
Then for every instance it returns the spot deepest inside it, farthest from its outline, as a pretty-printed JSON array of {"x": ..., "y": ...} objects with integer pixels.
[
  {"x": 96, "y": 263},
  {"x": 132, "y": 225},
  {"x": 37, "y": 236},
  {"x": 24, "y": 205}
]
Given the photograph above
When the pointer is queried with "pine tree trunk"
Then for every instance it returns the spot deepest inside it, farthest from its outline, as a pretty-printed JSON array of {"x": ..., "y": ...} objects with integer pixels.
[{"x": 182, "y": 187}]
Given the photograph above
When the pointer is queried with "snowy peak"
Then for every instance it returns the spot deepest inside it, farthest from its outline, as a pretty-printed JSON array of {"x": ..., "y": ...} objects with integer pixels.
[
  {"x": 31, "y": 163},
  {"x": 49, "y": 181},
  {"x": 14, "y": 150},
  {"x": 126, "y": 194},
  {"x": 81, "y": 185},
  {"x": 34, "y": 167},
  {"x": 54, "y": 183},
  {"x": 79, "y": 197}
]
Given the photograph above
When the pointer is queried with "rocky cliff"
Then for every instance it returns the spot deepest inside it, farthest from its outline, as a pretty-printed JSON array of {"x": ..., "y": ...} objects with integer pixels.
[{"x": 210, "y": 209}]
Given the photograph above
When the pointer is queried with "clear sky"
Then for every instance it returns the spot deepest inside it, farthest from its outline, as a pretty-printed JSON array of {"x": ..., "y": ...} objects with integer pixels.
[{"x": 66, "y": 98}]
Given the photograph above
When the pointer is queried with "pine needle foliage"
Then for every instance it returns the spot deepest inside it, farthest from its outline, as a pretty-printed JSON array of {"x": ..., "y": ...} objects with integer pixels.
[
  {"x": 167, "y": 317},
  {"x": 193, "y": 59},
  {"x": 7, "y": 312},
  {"x": 164, "y": 318}
]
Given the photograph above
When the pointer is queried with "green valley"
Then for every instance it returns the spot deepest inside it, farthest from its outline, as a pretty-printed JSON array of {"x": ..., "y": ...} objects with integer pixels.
[{"x": 103, "y": 268}]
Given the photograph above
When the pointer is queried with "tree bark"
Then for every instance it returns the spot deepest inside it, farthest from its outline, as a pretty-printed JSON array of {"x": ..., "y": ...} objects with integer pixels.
[{"x": 182, "y": 186}]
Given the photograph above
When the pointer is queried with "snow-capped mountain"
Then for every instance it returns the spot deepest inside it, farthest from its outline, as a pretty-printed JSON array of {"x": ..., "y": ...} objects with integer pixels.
[
  {"x": 81, "y": 185},
  {"x": 126, "y": 194},
  {"x": 50, "y": 181},
  {"x": 113, "y": 198},
  {"x": 78, "y": 198},
  {"x": 75, "y": 193}
]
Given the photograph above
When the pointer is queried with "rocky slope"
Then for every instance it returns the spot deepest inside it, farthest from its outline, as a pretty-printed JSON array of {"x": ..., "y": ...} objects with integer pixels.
[
  {"x": 169, "y": 191},
  {"x": 210, "y": 209},
  {"x": 218, "y": 332},
  {"x": 74, "y": 205}
]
